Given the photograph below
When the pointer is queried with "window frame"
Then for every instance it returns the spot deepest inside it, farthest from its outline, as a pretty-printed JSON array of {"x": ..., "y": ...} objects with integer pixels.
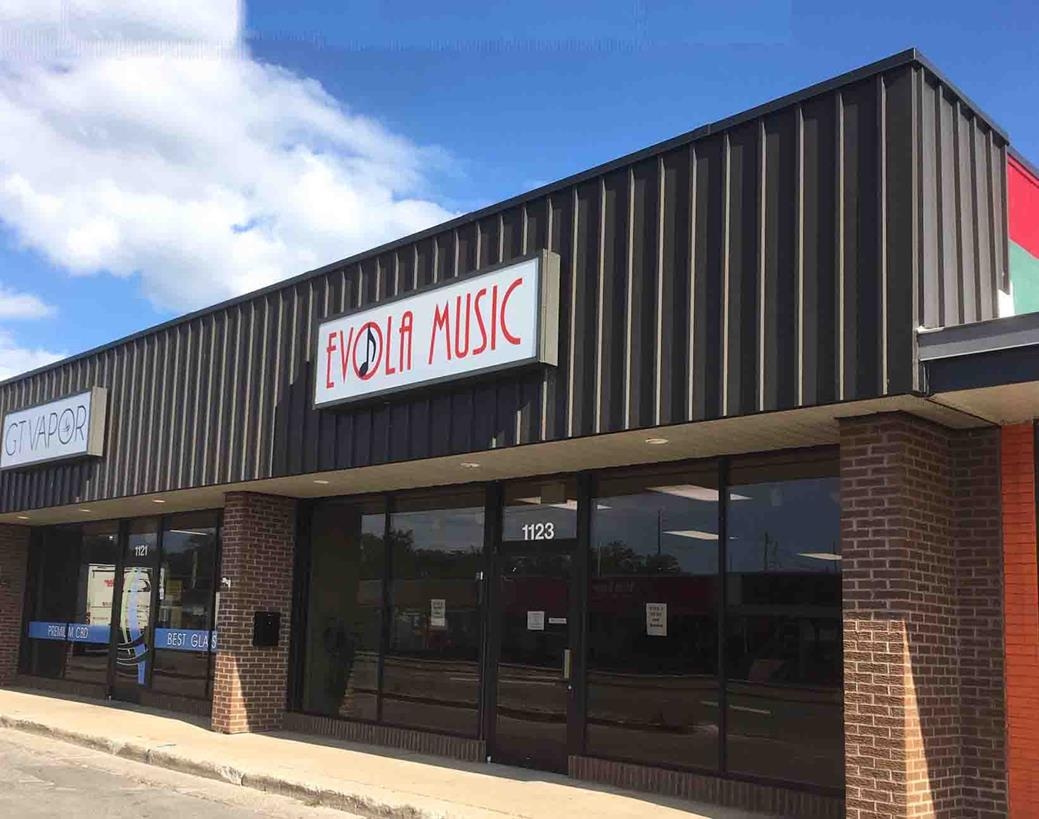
[
  {"x": 823, "y": 461},
  {"x": 38, "y": 543}
]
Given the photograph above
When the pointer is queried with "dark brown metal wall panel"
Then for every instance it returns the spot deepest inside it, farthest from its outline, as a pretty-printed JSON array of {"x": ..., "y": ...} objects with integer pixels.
[
  {"x": 675, "y": 285},
  {"x": 961, "y": 217},
  {"x": 900, "y": 235},
  {"x": 706, "y": 340},
  {"x": 779, "y": 261}
]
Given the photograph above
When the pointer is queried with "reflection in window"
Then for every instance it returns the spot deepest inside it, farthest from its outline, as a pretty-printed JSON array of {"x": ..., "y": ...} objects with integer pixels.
[
  {"x": 431, "y": 673},
  {"x": 133, "y": 639},
  {"x": 91, "y": 621},
  {"x": 53, "y": 572},
  {"x": 783, "y": 640},
  {"x": 185, "y": 616},
  {"x": 540, "y": 510},
  {"x": 652, "y": 620},
  {"x": 345, "y": 609}
]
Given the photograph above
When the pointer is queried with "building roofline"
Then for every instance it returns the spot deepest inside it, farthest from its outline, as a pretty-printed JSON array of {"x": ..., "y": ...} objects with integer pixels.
[
  {"x": 906, "y": 57},
  {"x": 1022, "y": 160},
  {"x": 978, "y": 337}
]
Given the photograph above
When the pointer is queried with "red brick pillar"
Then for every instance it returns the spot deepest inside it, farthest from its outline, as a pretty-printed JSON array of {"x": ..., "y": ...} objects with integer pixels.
[
  {"x": 916, "y": 641},
  {"x": 1022, "y": 618},
  {"x": 249, "y": 685},
  {"x": 14, "y": 555}
]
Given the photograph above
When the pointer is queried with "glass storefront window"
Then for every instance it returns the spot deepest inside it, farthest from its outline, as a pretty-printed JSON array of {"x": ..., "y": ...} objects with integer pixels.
[
  {"x": 91, "y": 622},
  {"x": 652, "y": 619},
  {"x": 345, "y": 604},
  {"x": 133, "y": 639},
  {"x": 51, "y": 591},
  {"x": 184, "y": 621},
  {"x": 679, "y": 623},
  {"x": 540, "y": 510},
  {"x": 431, "y": 671},
  {"x": 93, "y": 585},
  {"x": 783, "y": 634}
]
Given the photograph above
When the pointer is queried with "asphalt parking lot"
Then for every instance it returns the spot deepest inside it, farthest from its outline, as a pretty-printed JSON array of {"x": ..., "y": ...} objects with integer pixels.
[{"x": 42, "y": 777}]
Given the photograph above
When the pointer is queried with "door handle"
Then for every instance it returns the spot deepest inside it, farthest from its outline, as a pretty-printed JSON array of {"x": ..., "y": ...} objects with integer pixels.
[{"x": 566, "y": 664}]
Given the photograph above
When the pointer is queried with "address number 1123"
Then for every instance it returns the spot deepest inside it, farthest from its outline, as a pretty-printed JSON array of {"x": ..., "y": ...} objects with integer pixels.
[{"x": 539, "y": 531}]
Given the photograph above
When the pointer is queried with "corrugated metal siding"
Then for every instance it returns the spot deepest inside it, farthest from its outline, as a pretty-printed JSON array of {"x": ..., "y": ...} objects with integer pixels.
[
  {"x": 962, "y": 190},
  {"x": 780, "y": 262}
]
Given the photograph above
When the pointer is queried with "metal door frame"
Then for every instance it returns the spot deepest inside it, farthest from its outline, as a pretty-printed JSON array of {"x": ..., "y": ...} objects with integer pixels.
[
  {"x": 125, "y": 693},
  {"x": 569, "y": 546}
]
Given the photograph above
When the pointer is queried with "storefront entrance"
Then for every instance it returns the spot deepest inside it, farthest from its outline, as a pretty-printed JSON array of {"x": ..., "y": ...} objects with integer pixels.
[
  {"x": 136, "y": 584},
  {"x": 125, "y": 608},
  {"x": 534, "y": 659},
  {"x": 682, "y": 616}
]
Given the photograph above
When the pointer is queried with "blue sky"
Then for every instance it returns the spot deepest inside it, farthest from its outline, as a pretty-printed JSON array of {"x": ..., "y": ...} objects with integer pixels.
[{"x": 124, "y": 199}]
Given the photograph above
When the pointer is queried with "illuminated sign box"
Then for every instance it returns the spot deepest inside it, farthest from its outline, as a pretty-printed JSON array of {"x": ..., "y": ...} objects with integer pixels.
[
  {"x": 504, "y": 317},
  {"x": 71, "y": 427}
]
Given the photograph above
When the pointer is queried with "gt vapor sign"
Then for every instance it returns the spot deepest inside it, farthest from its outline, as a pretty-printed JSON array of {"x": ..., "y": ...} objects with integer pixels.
[
  {"x": 71, "y": 427},
  {"x": 505, "y": 317}
]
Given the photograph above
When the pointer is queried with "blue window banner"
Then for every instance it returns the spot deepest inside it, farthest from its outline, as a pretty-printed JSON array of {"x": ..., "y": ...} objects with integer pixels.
[
  {"x": 175, "y": 639},
  {"x": 41, "y": 630},
  {"x": 80, "y": 633},
  {"x": 185, "y": 639},
  {"x": 73, "y": 632}
]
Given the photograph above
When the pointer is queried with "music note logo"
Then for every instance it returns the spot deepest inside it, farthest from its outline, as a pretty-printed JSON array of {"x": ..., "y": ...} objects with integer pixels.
[
  {"x": 370, "y": 349},
  {"x": 373, "y": 350}
]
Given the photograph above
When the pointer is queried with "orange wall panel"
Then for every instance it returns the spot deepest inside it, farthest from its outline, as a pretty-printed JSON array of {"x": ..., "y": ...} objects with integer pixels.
[{"x": 1021, "y": 602}]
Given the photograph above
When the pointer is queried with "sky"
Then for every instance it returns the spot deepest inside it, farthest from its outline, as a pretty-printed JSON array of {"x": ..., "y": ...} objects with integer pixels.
[{"x": 158, "y": 157}]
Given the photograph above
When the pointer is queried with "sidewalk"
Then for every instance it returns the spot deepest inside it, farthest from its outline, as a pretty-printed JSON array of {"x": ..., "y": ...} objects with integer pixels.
[{"x": 372, "y": 782}]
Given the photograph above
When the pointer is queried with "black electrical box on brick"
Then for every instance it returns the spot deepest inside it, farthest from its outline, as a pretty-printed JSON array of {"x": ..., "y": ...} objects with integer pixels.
[{"x": 266, "y": 625}]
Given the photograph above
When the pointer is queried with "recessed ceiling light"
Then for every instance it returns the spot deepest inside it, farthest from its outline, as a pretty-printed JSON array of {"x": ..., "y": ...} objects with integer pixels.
[
  {"x": 85, "y": 510},
  {"x": 469, "y": 465},
  {"x": 688, "y": 491},
  {"x": 158, "y": 500},
  {"x": 570, "y": 505},
  {"x": 657, "y": 441},
  {"x": 22, "y": 517},
  {"x": 696, "y": 534},
  {"x": 321, "y": 482},
  {"x": 700, "y": 493}
]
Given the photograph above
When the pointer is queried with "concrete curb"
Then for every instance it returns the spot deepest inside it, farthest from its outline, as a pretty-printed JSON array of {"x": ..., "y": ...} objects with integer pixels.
[{"x": 364, "y": 804}]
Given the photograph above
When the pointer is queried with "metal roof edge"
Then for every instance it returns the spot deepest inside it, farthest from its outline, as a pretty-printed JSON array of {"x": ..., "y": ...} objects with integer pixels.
[
  {"x": 905, "y": 57},
  {"x": 978, "y": 337},
  {"x": 923, "y": 61},
  {"x": 1023, "y": 161}
]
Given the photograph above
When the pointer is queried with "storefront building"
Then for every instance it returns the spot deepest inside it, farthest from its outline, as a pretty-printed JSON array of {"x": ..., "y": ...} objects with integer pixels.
[{"x": 709, "y": 472}]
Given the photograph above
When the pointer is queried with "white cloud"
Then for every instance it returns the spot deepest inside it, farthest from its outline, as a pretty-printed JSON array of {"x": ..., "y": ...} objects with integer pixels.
[
  {"x": 199, "y": 170},
  {"x": 15, "y": 359},
  {"x": 15, "y": 305}
]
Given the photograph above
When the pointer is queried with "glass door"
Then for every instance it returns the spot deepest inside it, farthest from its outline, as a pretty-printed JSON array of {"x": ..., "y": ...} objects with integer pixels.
[
  {"x": 135, "y": 590},
  {"x": 534, "y": 653}
]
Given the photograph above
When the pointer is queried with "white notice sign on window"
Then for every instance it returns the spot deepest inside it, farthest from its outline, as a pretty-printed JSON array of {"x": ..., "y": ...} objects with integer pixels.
[
  {"x": 438, "y": 613},
  {"x": 656, "y": 619},
  {"x": 535, "y": 621}
]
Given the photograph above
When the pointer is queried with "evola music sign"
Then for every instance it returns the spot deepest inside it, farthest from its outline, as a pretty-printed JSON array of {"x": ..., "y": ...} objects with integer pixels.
[
  {"x": 71, "y": 427},
  {"x": 504, "y": 317}
]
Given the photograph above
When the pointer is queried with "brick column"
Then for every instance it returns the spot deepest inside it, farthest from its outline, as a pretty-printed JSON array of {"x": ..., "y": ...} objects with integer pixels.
[
  {"x": 977, "y": 532},
  {"x": 249, "y": 685},
  {"x": 1022, "y": 619},
  {"x": 14, "y": 555},
  {"x": 920, "y": 547}
]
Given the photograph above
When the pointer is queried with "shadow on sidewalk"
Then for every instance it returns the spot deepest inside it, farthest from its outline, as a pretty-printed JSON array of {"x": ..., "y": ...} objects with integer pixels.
[{"x": 117, "y": 705}]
